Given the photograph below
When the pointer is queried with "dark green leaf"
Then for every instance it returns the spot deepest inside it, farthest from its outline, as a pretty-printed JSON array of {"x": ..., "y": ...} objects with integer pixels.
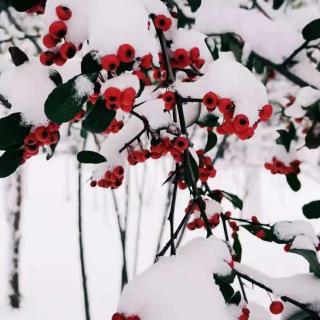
[
  {"x": 64, "y": 102},
  {"x": 209, "y": 121},
  {"x": 23, "y": 5},
  {"x": 312, "y": 258},
  {"x": 12, "y": 131},
  {"x": 211, "y": 142},
  {"x": 253, "y": 229},
  {"x": 5, "y": 102},
  {"x": 188, "y": 176},
  {"x": 212, "y": 48},
  {"x": 183, "y": 20},
  {"x": 235, "y": 299},
  {"x": 293, "y": 181},
  {"x": 235, "y": 200},
  {"x": 277, "y": 4},
  {"x": 9, "y": 162},
  {"x": 98, "y": 118},
  {"x": 55, "y": 77},
  {"x": 194, "y": 4},
  {"x": 312, "y": 30},
  {"x": 90, "y": 157},
  {"x": 286, "y": 137},
  {"x": 90, "y": 64},
  {"x": 18, "y": 56},
  {"x": 237, "y": 248},
  {"x": 311, "y": 210}
]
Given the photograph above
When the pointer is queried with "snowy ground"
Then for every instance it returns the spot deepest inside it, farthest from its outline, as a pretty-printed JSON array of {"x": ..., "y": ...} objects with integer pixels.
[{"x": 51, "y": 280}]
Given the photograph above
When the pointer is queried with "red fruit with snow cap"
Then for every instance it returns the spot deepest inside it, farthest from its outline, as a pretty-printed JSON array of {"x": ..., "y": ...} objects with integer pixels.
[
  {"x": 126, "y": 53},
  {"x": 276, "y": 307},
  {"x": 68, "y": 50},
  {"x": 58, "y": 29},
  {"x": 63, "y": 13},
  {"x": 110, "y": 62}
]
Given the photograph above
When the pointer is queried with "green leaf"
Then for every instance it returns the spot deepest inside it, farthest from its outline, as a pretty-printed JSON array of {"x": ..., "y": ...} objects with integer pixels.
[
  {"x": 98, "y": 118},
  {"x": 209, "y": 121},
  {"x": 253, "y": 229},
  {"x": 90, "y": 157},
  {"x": 312, "y": 30},
  {"x": 235, "y": 299},
  {"x": 235, "y": 200},
  {"x": 211, "y": 142},
  {"x": 55, "y": 77},
  {"x": 237, "y": 248},
  {"x": 64, "y": 102},
  {"x": 12, "y": 131},
  {"x": 23, "y": 5},
  {"x": 277, "y": 4},
  {"x": 183, "y": 20},
  {"x": 18, "y": 56},
  {"x": 311, "y": 257},
  {"x": 194, "y": 4},
  {"x": 195, "y": 171},
  {"x": 90, "y": 64},
  {"x": 212, "y": 48},
  {"x": 293, "y": 181},
  {"x": 9, "y": 162},
  {"x": 311, "y": 210},
  {"x": 286, "y": 137}
]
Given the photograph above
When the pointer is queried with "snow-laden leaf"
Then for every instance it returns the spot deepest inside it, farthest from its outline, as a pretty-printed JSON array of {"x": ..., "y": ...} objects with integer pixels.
[
  {"x": 253, "y": 229},
  {"x": 312, "y": 258},
  {"x": 90, "y": 157},
  {"x": 12, "y": 131},
  {"x": 64, "y": 102},
  {"x": 211, "y": 142},
  {"x": 293, "y": 181},
  {"x": 9, "y": 162},
  {"x": 311, "y": 210},
  {"x": 312, "y": 30},
  {"x": 234, "y": 199},
  {"x": 89, "y": 63},
  {"x": 212, "y": 48},
  {"x": 98, "y": 118}
]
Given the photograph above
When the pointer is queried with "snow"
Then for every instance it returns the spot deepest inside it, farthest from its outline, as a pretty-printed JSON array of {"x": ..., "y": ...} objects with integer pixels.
[
  {"x": 32, "y": 83},
  {"x": 187, "y": 276},
  {"x": 83, "y": 86},
  {"x": 289, "y": 230},
  {"x": 230, "y": 79},
  {"x": 261, "y": 34}
]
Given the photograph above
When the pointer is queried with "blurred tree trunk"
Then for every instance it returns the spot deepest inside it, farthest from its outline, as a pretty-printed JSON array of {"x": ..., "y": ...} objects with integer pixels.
[{"x": 14, "y": 201}]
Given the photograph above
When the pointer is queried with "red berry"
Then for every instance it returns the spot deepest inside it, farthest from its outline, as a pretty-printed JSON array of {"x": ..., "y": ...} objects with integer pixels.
[
  {"x": 261, "y": 234},
  {"x": 225, "y": 105},
  {"x": 182, "y": 57},
  {"x": 162, "y": 22},
  {"x": 59, "y": 61},
  {"x": 47, "y": 58},
  {"x": 181, "y": 144},
  {"x": 146, "y": 61},
  {"x": 276, "y": 307},
  {"x": 118, "y": 316},
  {"x": 247, "y": 134},
  {"x": 240, "y": 123},
  {"x": 254, "y": 220},
  {"x": 126, "y": 53},
  {"x": 49, "y": 41},
  {"x": 110, "y": 62},
  {"x": 133, "y": 318},
  {"x": 58, "y": 29},
  {"x": 63, "y": 13},
  {"x": 169, "y": 99},
  {"x": 112, "y": 97},
  {"x": 31, "y": 150},
  {"x": 127, "y": 99},
  {"x": 287, "y": 247},
  {"x": 93, "y": 183},
  {"x": 41, "y": 134},
  {"x": 210, "y": 100},
  {"x": 266, "y": 112},
  {"x": 194, "y": 54},
  {"x": 68, "y": 50},
  {"x": 30, "y": 139}
]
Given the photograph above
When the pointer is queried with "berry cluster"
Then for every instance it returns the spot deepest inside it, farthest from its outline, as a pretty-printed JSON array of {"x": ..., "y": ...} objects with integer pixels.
[
  {"x": 112, "y": 179},
  {"x": 245, "y": 314},
  {"x": 41, "y": 136},
  {"x": 138, "y": 156},
  {"x": 198, "y": 223},
  {"x": 278, "y": 167},
  {"x": 206, "y": 169},
  {"x": 116, "y": 99},
  {"x": 58, "y": 54},
  {"x": 169, "y": 99},
  {"x": 126, "y": 54},
  {"x": 238, "y": 125},
  {"x": 38, "y": 8},
  {"x": 119, "y": 316}
]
